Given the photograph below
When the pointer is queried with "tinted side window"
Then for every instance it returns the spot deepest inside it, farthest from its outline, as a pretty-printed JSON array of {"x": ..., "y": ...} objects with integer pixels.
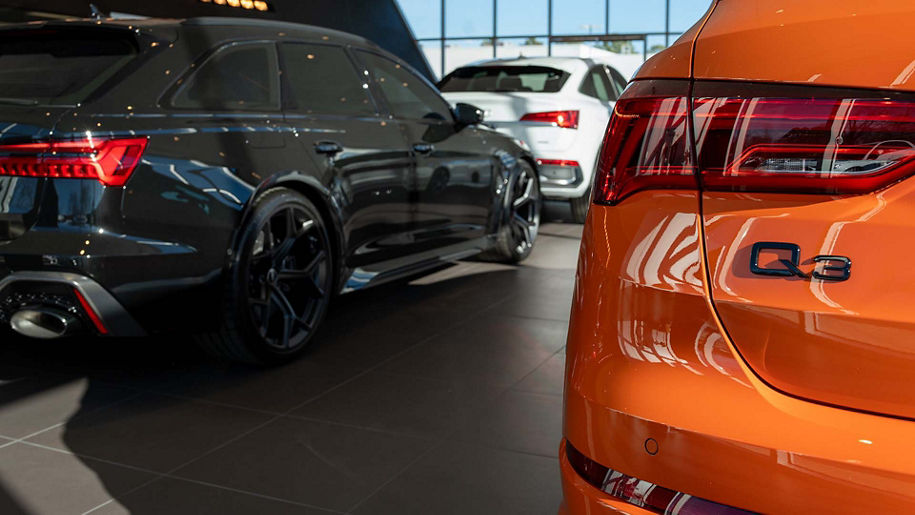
[
  {"x": 238, "y": 77},
  {"x": 597, "y": 85},
  {"x": 60, "y": 66},
  {"x": 408, "y": 96},
  {"x": 322, "y": 80}
]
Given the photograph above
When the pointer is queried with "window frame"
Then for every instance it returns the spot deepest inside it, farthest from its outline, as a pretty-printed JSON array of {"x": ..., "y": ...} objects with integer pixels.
[
  {"x": 286, "y": 96},
  {"x": 599, "y": 70},
  {"x": 183, "y": 81},
  {"x": 616, "y": 77},
  {"x": 379, "y": 94}
]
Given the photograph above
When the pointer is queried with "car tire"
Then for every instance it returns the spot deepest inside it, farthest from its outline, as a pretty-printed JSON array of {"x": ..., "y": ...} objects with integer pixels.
[
  {"x": 279, "y": 285},
  {"x": 580, "y": 207},
  {"x": 520, "y": 218}
]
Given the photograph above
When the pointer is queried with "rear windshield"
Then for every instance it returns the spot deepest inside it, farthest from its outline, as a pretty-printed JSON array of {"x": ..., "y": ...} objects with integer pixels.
[
  {"x": 533, "y": 79},
  {"x": 59, "y": 67}
]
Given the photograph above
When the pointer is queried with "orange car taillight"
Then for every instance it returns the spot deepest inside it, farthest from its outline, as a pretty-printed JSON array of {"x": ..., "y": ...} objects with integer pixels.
[
  {"x": 804, "y": 145},
  {"x": 647, "y": 144},
  {"x": 753, "y": 138},
  {"x": 109, "y": 161},
  {"x": 564, "y": 119}
]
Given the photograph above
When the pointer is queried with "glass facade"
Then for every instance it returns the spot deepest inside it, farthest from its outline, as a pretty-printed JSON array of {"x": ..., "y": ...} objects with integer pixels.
[{"x": 453, "y": 33}]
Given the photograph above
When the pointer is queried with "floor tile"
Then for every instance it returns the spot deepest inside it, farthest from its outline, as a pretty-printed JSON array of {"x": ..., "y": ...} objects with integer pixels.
[
  {"x": 462, "y": 479},
  {"x": 325, "y": 465},
  {"x": 496, "y": 350},
  {"x": 408, "y": 405},
  {"x": 548, "y": 378},
  {"x": 174, "y": 496},
  {"x": 546, "y": 301},
  {"x": 36, "y": 480},
  {"x": 517, "y": 421},
  {"x": 152, "y": 432},
  {"x": 269, "y": 389}
]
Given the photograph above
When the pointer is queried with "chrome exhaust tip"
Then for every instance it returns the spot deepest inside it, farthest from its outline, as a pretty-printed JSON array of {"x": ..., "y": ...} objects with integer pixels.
[{"x": 44, "y": 323}]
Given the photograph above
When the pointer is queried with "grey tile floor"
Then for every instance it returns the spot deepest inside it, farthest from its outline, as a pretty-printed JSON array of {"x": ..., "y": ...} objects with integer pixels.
[{"x": 438, "y": 396}]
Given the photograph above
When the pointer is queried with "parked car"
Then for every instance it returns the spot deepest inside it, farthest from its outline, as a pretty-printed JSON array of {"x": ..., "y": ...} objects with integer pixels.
[
  {"x": 741, "y": 334},
  {"x": 559, "y": 106},
  {"x": 229, "y": 176}
]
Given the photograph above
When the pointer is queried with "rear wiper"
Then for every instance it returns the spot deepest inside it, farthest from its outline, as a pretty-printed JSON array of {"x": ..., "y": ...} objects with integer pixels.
[{"x": 18, "y": 101}]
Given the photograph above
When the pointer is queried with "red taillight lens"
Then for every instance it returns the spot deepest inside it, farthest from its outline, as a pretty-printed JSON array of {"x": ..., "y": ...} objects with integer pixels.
[
  {"x": 804, "y": 145},
  {"x": 556, "y": 162},
  {"x": 110, "y": 161},
  {"x": 564, "y": 119},
  {"x": 647, "y": 142}
]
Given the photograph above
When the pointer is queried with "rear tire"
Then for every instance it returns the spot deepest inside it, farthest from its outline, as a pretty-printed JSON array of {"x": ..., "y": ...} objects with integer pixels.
[
  {"x": 580, "y": 207},
  {"x": 280, "y": 284},
  {"x": 520, "y": 220}
]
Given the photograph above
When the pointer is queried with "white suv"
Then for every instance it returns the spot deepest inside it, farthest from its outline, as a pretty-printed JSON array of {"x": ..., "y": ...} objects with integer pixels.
[{"x": 558, "y": 106}]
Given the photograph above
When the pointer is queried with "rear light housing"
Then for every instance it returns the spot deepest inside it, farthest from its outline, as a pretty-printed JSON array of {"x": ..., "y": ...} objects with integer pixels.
[
  {"x": 564, "y": 119},
  {"x": 755, "y": 138},
  {"x": 647, "y": 144},
  {"x": 804, "y": 145},
  {"x": 645, "y": 495},
  {"x": 109, "y": 161}
]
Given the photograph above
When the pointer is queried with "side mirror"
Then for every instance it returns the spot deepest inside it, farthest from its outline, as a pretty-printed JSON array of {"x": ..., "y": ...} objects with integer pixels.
[{"x": 467, "y": 114}]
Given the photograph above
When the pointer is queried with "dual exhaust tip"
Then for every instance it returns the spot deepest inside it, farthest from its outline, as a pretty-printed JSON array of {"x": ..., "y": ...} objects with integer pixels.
[{"x": 44, "y": 323}]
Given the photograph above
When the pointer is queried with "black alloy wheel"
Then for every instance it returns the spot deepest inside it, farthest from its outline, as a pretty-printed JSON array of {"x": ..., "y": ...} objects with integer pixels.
[
  {"x": 525, "y": 211},
  {"x": 282, "y": 284},
  {"x": 287, "y": 273},
  {"x": 521, "y": 219}
]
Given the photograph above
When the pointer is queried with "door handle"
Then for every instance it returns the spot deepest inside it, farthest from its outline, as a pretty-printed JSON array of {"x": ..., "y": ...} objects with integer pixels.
[
  {"x": 329, "y": 148},
  {"x": 423, "y": 148}
]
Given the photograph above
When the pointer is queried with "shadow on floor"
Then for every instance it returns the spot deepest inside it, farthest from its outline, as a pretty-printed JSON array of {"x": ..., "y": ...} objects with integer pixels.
[{"x": 167, "y": 429}]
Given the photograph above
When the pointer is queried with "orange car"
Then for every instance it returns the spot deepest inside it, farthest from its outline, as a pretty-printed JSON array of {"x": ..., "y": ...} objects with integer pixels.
[{"x": 743, "y": 328}]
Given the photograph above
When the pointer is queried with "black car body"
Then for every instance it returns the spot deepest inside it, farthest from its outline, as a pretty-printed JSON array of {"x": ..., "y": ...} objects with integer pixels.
[{"x": 203, "y": 117}]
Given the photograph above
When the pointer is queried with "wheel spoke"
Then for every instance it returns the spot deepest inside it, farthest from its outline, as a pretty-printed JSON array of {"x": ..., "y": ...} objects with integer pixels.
[
  {"x": 288, "y": 310},
  {"x": 525, "y": 228},
  {"x": 306, "y": 278},
  {"x": 293, "y": 233},
  {"x": 306, "y": 275},
  {"x": 316, "y": 261},
  {"x": 282, "y": 301},
  {"x": 315, "y": 291},
  {"x": 266, "y": 309},
  {"x": 525, "y": 197},
  {"x": 287, "y": 331}
]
